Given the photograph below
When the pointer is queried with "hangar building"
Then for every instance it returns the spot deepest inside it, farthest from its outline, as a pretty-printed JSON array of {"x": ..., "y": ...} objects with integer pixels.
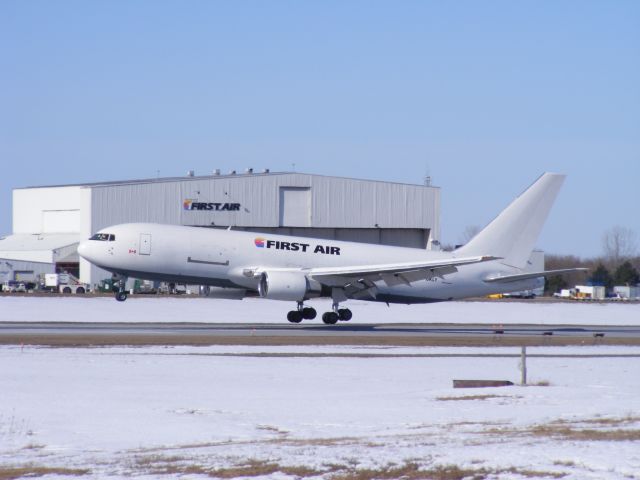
[{"x": 50, "y": 221}]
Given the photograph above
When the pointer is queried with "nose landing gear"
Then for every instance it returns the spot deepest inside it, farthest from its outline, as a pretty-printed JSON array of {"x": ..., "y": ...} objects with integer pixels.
[{"x": 121, "y": 293}]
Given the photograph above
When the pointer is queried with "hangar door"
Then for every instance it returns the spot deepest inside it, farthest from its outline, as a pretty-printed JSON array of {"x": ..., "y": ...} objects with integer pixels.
[
  {"x": 60, "y": 221},
  {"x": 295, "y": 206}
]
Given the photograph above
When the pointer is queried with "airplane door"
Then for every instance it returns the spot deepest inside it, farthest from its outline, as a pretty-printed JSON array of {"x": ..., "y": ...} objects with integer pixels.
[{"x": 145, "y": 244}]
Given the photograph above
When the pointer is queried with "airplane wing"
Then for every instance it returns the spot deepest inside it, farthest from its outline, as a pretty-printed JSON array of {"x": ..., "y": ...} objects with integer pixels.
[
  {"x": 364, "y": 277},
  {"x": 529, "y": 275}
]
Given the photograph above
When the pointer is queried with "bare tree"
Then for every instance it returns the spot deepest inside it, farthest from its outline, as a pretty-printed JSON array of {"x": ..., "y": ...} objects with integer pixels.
[
  {"x": 469, "y": 232},
  {"x": 619, "y": 244},
  {"x": 558, "y": 262}
]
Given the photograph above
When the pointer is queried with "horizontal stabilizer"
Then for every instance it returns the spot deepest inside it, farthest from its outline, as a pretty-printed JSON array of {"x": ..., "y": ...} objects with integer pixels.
[{"x": 529, "y": 275}]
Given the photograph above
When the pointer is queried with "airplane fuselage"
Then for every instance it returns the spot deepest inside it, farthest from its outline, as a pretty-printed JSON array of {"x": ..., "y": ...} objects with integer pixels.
[{"x": 227, "y": 258}]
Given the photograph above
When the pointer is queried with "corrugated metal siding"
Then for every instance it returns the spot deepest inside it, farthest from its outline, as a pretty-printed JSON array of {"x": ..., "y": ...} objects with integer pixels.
[
  {"x": 135, "y": 203},
  {"x": 8, "y": 267},
  {"x": 335, "y": 202},
  {"x": 348, "y": 203}
]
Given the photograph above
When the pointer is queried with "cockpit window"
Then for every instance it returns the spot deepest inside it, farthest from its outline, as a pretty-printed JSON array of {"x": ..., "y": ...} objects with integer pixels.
[{"x": 104, "y": 237}]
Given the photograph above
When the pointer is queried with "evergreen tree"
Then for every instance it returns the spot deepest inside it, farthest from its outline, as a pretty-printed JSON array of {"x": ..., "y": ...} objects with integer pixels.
[
  {"x": 601, "y": 276},
  {"x": 627, "y": 275},
  {"x": 554, "y": 284}
]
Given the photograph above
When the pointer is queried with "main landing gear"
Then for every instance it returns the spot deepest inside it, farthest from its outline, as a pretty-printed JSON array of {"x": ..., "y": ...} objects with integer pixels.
[
  {"x": 306, "y": 313},
  {"x": 337, "y": 313},
  {"x": 342, "y": 314},
  {"x": 330, "y": 318}
]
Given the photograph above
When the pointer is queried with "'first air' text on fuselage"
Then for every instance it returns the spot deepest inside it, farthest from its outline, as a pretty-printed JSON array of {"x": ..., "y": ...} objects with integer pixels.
[{"x": 296, "y": 246}]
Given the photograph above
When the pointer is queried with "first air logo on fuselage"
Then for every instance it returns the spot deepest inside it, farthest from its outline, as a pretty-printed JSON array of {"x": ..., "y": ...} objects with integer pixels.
[{"x": 296, "y": 246}]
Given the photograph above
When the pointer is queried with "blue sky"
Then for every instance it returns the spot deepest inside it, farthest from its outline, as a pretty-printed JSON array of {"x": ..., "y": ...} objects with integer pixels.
[{"x": 482, "y": 96}]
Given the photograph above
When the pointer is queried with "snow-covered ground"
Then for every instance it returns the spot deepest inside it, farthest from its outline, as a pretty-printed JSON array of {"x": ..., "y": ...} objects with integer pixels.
[
  {"x": 189, "y": 412},
  {"x": 255, "y": 310}
]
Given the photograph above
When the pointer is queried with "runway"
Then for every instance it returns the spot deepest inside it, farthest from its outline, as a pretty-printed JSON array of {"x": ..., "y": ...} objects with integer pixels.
[{"x": 425, "y": 334}]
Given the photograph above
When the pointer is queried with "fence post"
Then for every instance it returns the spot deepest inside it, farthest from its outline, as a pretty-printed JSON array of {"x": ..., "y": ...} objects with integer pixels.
[{"x": 523, "y": 366}]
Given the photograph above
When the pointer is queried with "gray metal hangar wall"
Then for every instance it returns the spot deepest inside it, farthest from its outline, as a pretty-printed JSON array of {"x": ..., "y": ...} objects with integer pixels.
[{"x": 284, "y": 203}]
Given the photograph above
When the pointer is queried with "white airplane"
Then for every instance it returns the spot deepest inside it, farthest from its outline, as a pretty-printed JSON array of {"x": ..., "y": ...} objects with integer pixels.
[{"x": 296, "y": 269}]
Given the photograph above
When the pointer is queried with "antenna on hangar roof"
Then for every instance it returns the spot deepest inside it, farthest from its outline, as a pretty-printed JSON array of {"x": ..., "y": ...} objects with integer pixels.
[{"x": 427, "y": 175}]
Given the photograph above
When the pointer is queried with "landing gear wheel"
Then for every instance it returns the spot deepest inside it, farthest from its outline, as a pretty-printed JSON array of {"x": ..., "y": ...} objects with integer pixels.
[
  {"x": 121, "y": 296},
  {"x": 309, "y": 313},
  {"x": 344, "y": 314},
  {"x": 294, "y": 316},
  {"x": 330, "y": 318}
]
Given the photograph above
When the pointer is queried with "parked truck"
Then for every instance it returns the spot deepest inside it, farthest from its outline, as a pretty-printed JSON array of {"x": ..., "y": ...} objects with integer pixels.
[{"x": 64, "y": 283}]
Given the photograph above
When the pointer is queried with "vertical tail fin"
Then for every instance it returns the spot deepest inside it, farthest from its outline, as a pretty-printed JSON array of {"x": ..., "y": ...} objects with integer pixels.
[{"x": 513, "y": 233}]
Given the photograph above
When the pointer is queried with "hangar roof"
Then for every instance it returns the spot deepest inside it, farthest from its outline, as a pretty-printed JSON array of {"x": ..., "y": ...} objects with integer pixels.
[
  {"x": 208, "y": 177},
  {"x": 43, "y": 247}
]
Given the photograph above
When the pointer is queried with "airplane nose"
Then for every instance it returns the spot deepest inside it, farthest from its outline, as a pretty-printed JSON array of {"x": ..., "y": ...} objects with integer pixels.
[{"x": 83, "y": 250}]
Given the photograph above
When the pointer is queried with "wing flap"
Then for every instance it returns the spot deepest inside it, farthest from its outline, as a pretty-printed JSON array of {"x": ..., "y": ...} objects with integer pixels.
[{"x": 529, "y": 275}]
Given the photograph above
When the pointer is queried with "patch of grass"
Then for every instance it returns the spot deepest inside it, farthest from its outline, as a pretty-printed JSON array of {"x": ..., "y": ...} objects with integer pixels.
[
  {"x": 587, "y": 434},
  {"x": 532, "y": 473},
  {"x": 272, "y": 429},
  {"x": 569, "y": 432},
  {"x": 629, "y": 419},
  {"x": 177, "y": 465},
  {"x": 32, "y": 471},
  {"x": 33, "y": 446},
  {"x": 474, "y": 397},
  {"x": 469, "y": 423},
  {"x": 317, "y": 442},
  {"x": 151, "y": 460},
  {"x": 540, "y": 383},
  {"x": 412, "y": 471}
]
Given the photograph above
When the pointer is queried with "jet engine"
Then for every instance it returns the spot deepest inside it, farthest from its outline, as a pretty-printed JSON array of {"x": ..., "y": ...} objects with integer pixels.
[
  {"x": 290, "y": 286},
  {"x": 223, "y": 293}
]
